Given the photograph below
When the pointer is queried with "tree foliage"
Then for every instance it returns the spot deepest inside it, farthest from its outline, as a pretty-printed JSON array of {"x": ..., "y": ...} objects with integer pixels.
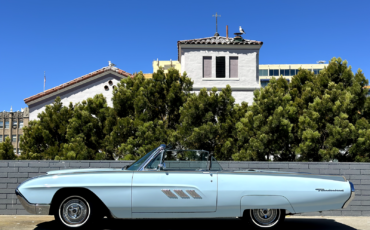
[
  {"x": 146, "y": 112},
  {"x": 208, "y": 120},
  {"x": 44, "y": 138},
  {"x": 6, "y": 150},
  {"x": 321, "y": 117},
  {"x": 314, "y": 118}
]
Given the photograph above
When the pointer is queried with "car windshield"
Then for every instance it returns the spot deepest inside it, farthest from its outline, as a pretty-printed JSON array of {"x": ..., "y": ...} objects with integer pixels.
[
  {"x": 184, "y": 160},
  {"x": 139, "y": 162}
]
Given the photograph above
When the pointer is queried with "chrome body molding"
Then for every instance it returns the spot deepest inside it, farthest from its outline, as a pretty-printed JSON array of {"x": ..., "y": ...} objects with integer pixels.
[
  {"x": 181, "y": 194},
  {"x": 36, "y": 209},
  {"x": 194, "y": 194},
  {"x": 351, "y": 197},
  {"x": 169, "y": 193}
]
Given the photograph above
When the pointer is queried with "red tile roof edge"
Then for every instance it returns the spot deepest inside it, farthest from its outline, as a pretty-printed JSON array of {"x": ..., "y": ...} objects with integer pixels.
[{"x": 82, "y": 78}]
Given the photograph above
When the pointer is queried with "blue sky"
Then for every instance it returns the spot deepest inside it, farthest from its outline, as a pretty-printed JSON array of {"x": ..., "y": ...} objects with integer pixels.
[{"x": 70, "y": 38}]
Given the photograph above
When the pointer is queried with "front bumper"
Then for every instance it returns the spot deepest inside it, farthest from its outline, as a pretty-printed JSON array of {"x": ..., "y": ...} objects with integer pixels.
[
  {"x": 36, "y": 209},
  {"x": 351, "y": 197}
]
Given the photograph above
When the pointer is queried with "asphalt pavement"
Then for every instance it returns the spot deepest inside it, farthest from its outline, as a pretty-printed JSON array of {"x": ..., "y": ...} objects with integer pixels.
[{"x": 292, "y": 222}]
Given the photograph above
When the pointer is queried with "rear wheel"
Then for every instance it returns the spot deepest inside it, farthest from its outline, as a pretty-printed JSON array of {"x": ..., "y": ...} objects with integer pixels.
[
  {"x": 264, "y": 218},
  {"x": 75, "y": 212}
]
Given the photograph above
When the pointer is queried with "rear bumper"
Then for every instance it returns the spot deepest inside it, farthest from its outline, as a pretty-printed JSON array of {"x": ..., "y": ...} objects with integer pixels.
[
  {"x": 35, "y": 209},
  {"x": 351, "y": 197}
]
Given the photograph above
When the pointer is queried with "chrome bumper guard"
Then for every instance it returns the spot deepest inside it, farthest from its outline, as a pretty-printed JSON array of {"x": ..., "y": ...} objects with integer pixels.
[
  {"x": 36, "y": 209},
  {"x": 351, "y": 197}
]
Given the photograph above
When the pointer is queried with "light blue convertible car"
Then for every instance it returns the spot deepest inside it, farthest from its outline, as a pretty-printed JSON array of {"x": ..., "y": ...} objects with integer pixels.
[{"x": 168, "y": 183}]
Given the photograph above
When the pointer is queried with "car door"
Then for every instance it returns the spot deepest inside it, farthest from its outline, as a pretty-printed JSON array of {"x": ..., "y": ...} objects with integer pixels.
[{"x": 174, "y": 191}]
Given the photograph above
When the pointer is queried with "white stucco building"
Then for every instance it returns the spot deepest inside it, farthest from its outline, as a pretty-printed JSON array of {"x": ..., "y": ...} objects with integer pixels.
[
  {"x": 100, "y": 81},
  {"x": 219, "y": 61}
]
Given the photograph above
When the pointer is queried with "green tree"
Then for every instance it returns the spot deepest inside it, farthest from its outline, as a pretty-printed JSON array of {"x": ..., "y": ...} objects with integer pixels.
[
  {"x": 145, "y": 112},
  {"x": 207, "y": 122},
  {"x": 265, "y": 131},
  {"x": 6, "y": 150},
  {"x": 44, "y": 138},
  {"x": 327, "y": 125},
  {"x": 314, "y": 118},
  {"x": 85, "y": 131}
]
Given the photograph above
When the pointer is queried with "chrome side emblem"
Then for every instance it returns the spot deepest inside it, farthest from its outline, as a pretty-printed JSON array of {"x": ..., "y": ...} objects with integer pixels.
[
  {"x": 329, "y": 190},
  {"x": 169, "y": 193},
  {"x": 194, "y": 194},
  {"x": 181, "y": 194}
]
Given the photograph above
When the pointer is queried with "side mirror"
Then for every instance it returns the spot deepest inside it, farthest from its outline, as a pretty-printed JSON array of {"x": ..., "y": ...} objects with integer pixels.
[{"x": 160, "y": 167}]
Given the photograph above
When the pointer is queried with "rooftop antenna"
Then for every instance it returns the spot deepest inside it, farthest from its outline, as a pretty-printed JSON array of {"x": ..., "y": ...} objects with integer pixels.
[
  {"x": 321, "y": 62},
  {"x": 216, "y": 15},
  {"x": 44, "y": 80}
]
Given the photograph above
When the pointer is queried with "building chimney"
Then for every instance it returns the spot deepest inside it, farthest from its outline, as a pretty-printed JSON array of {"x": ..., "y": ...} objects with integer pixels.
[{"x": 227, "y": 32}]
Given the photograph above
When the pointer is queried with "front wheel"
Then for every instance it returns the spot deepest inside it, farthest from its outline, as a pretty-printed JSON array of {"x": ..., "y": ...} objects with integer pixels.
[
  {"x": 265, "y": 218},
  {"x": 74, "y": 212}
]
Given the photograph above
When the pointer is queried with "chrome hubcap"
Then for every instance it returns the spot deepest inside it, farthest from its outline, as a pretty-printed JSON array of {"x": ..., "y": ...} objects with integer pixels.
[
  {"x": 265, "y": 217},
  {"x": 74, "y": 212}
]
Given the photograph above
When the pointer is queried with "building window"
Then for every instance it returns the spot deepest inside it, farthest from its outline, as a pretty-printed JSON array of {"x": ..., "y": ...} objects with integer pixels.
[
  {"x": 19, "y": 137},
  {"x": 1, "y": 124},
  {"x": 316, "y": 71},
  {"x": 14, "y": 124},
  {"x": 264, "y": 82},
  {"x": 263, "y": 72},
  {"x": 220, "y": 67},
  {"x": 293, "y": 72},
  {"x": 19, "y": 151},
  {"x": 368, "y": 93},
  {"x": 21, "y": 124},
  {"x": 6, "y": 136},
  {"x": 15, "y": 150},
  {"x": 7, "y": 124},
  {"x": 207, "y": 67},
  {"x": 1, "y": 138},
  {"x": 274, "y": 72},
  {"x": 285, "y": 72},
  {"x": 14, "y": 138},
  {"x": 233, "y": 67}
]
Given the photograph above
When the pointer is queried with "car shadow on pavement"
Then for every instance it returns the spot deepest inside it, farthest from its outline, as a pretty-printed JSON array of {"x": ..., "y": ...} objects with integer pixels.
[{"x": 201, "y": 224}]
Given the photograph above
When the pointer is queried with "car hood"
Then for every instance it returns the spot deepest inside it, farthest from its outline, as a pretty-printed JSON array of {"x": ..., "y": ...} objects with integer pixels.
[{"x": 89, "y": 170}]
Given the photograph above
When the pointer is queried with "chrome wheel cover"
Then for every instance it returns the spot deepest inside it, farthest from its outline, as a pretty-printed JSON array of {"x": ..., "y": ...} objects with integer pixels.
[
  {"x": 265, "y": 218},
  {"x": 74, "y": 211}
]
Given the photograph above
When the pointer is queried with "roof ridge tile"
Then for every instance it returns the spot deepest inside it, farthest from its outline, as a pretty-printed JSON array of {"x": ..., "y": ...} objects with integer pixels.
[{"x": 76, "y": 80}]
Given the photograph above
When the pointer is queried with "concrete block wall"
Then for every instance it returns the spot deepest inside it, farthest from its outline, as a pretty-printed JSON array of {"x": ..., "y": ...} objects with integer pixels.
[{"x": 12, "y": 173}]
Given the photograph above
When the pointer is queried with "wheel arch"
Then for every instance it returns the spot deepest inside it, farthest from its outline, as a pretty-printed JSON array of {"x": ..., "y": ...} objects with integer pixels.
[
  {"x": 84, "y": 192},
  {"x": 265, "y": 202}
]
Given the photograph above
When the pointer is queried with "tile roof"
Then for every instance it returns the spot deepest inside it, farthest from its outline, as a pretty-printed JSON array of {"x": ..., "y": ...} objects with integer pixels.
[
  {"x": 77, "y": 80},
  {"x": 216, "y": 40},
  {"x": 219, "y": 40}
]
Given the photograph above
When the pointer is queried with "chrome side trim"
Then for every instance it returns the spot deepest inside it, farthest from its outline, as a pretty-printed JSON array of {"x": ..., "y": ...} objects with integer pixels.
[
  {"x": 169, "y": 193},
  {"x": 352, "y": 196},
  {"x": 36, "y": 209},
  {"x": 181, "y": 194},
  {"x": 194, "y": 194}
]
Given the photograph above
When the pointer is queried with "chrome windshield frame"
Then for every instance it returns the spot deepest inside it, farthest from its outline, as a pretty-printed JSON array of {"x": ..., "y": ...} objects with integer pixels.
[{"x": 154, "y": 154}]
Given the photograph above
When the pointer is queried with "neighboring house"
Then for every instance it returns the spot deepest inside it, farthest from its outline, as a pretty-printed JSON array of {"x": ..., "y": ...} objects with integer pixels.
[
  {"x": 100, "y": 81},
  {"x": 11, "y": 125}
]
